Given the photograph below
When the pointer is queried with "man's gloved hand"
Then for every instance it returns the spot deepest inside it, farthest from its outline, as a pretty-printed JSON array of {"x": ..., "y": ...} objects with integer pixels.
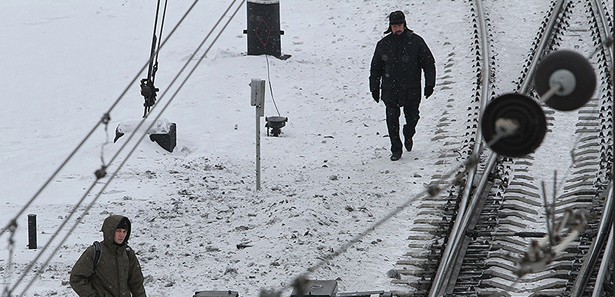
[
  {"x": 428, "y": 91},
  {"x": 376, "y": 95}
]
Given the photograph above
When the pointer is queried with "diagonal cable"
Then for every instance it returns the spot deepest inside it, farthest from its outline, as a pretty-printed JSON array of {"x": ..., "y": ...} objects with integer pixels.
[
  {"x": 89, "y": 206},
  {"x": 72, "y": 154}
]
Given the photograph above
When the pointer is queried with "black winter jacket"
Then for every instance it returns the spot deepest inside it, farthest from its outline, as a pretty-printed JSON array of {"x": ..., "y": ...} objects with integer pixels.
[{"x": 398, "y": 61}]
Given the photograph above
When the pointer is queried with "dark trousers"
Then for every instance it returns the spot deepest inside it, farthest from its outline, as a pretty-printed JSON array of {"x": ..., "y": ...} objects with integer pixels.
[{"x": 409, "y": 102}]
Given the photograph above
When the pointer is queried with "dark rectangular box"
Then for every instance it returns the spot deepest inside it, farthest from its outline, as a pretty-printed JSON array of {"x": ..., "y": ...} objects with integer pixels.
[
  {"x": 318, "y": 288},
  {"x": 216, "y": 294},
  {"x": 365, "y": 294}
]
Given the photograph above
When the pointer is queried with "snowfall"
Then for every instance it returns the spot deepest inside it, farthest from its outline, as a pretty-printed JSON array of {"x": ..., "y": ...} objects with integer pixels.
[{"x": 332, "y": 206}]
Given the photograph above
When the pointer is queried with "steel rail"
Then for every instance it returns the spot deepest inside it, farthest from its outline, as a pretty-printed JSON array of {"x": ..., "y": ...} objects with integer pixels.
[
  {"x": 613, "y": 153},
  {"x": 439, "y": 289},
  {"x": 605, "y": 228},
  {"x": 606, "y": 257},
  {"x": 452, "y": 253},
  {"x": 590, "y": 260},
  {"x": 603, "y": 27},
  {"x": 526, "y": 85}
]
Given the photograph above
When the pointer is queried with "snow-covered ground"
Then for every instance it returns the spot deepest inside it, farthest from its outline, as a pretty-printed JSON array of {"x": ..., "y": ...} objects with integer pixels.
[{"x": 198, "y": 222}]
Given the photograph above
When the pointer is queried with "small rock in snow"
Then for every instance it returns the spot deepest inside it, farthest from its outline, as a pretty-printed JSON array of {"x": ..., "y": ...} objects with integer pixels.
[{"x": 393, "y": 274}]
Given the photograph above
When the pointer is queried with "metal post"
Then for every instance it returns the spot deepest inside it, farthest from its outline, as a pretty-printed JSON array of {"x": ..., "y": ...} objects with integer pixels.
[
  {"x": 258, "y": 150},
  {"x": 32, "y": 231},
  {"x": 257, "y": 99}
]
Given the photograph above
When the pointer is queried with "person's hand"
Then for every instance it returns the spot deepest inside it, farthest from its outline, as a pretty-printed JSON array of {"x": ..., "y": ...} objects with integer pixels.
[
  {"x": 428, "y": 91},
  {"x": 376, "y": 95}
]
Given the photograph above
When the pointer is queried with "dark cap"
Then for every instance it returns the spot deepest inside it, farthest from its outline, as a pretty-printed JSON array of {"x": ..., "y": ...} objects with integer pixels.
[
  {"x": 397, "y": 17},
  {"x": 124, "y": 224}
]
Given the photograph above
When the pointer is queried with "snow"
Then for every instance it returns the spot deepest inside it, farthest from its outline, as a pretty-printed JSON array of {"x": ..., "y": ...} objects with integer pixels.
[{"x": 198, "y": 222}]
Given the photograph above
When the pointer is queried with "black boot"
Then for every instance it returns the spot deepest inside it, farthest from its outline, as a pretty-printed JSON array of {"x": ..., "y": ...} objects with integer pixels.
[
  {"x": 408, "y": 144},
  {"x": 396, "y": 156},
  {"x": 408, "y": 139}
]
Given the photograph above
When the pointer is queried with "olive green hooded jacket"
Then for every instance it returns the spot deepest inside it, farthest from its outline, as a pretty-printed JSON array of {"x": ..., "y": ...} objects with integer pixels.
[{"x": 118, "y": 273}]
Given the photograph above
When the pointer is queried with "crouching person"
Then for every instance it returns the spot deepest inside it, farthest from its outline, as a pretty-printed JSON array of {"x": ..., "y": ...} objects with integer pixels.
[{"x": 111, "y": 268}]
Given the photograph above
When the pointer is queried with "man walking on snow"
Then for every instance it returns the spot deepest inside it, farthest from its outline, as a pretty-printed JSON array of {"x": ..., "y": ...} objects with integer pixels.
[{"x": 396, "y": 71}]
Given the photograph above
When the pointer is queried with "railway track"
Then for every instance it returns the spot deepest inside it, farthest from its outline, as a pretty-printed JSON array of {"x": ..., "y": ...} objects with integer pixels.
[{"x": 479, "y": 236}]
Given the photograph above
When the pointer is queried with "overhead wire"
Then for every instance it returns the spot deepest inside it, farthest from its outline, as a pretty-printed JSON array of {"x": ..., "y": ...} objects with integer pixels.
[
  {"x": 30, "y": 266},
  {"x": 174, "y": 80},
  {"x": 432, "y": 190},
  {"x": 148, "y": 88},
  {"x": 271, "y": 88},
  {"x": 9, "y": 263},
  {"x": 164, "y": 13},
  {"x": 95, "y": 199},
  {"x": 154, "y": 58},
  {"x": 91, "y": 132}
]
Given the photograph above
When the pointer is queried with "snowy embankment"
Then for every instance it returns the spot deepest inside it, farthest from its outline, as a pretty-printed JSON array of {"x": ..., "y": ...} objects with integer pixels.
[{"x": 198, "y": 222}]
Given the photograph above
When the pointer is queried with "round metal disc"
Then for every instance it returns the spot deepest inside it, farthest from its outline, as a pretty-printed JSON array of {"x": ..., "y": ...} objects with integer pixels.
[
  {"x": 530, "y": 121},
  {"x": 572, "y": 72}
]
